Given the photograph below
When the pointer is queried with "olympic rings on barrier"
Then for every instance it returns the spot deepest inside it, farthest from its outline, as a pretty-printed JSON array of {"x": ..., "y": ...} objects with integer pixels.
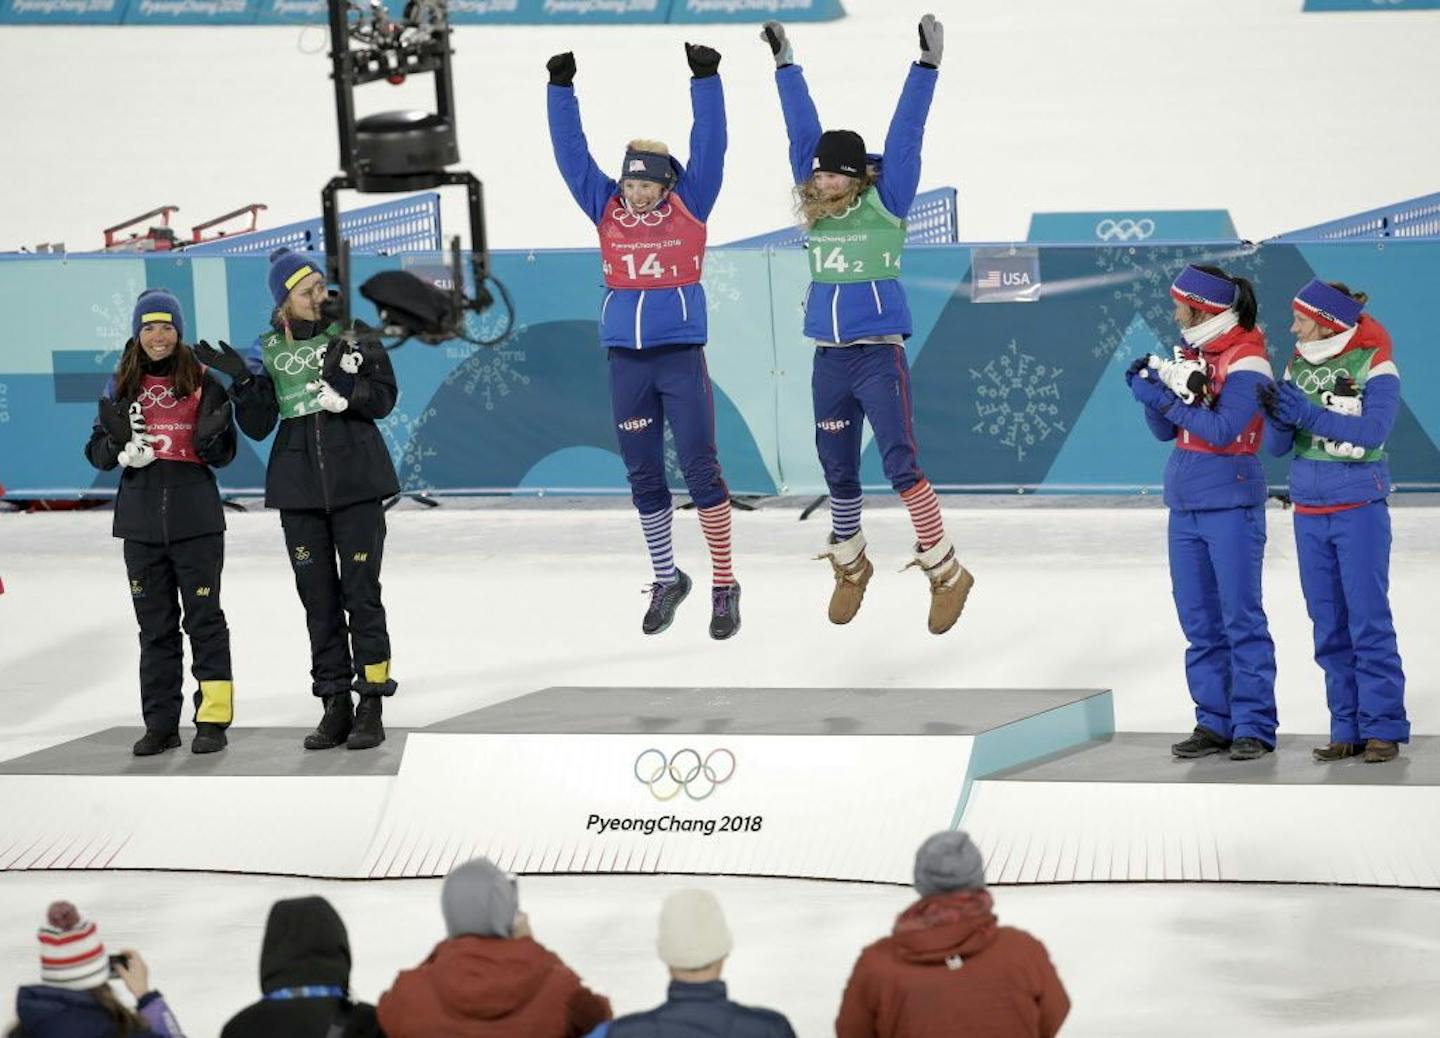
[
  {"x": 157, "y": 396},
  {"x": 1124, "y": 229},
  {"x": 654, "y": 218},
  {"x": 305, "y": 358},
  {"x": 683, "y": 771}
]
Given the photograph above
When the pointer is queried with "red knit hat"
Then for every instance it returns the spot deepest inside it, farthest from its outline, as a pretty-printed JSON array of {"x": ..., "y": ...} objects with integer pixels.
[{"x": 72, "y": 955}]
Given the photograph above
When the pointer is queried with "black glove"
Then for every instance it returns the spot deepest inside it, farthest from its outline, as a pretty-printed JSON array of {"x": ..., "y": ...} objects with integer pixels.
[
  {"x": 1269, "y": 398},
  {"x": 213, "y": 422},
  {"x": 115, "y": 420},
  {"x": 704, "y": 61},
  {"x": 1137, "y": 365},
  {"x": 562, "y": 69},
  {"x": 224, "y": 359}
]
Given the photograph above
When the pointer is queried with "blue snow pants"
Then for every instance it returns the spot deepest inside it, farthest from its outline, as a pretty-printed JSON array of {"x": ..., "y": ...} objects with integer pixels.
[
  {"x": 649, "y": 388},
  {"x": 848, "y": 385},
  {"x": 1345, "y": 574},
  {"x": 1215, "y": 562}
]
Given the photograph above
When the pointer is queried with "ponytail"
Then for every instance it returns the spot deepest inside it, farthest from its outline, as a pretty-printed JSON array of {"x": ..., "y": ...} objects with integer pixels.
[{"x": 1246, "y": 308}]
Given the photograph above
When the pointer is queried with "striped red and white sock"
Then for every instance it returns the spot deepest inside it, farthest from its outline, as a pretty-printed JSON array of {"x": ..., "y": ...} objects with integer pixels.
[
  {"x": 924, "y": 508},
  {"x": 715, "y": 521}
]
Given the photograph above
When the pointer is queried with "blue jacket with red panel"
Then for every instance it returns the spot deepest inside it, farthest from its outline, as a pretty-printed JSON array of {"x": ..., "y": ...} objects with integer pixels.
[
  {"x": 1214, "y": 463},
  {"x": 644, "y": 318}
]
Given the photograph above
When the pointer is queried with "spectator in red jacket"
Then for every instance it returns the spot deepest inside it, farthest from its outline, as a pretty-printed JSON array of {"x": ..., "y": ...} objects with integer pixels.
[
  {"x": 489, "y": 978},
  {"x": 947, "y": 968}
]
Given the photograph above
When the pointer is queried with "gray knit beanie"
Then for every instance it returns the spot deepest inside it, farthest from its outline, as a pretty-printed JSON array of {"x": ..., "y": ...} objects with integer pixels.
[
  {"x": 948, "y": 861},
  {"x": 477, "y": 898}
]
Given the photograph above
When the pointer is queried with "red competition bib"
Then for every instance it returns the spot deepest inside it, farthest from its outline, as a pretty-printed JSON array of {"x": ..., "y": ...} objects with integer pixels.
[
  {"x": 663, "y": 248},
  {"x": 169, "y": 419},
  {"x": 1236, "y": 350}
]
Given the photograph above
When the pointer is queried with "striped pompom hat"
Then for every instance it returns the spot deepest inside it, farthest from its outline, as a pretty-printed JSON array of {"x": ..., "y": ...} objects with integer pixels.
[
  {"x": 1327, "y": 306},
  {"x": 1204, "y": 292},
  {"x": 72, "y": 956}
]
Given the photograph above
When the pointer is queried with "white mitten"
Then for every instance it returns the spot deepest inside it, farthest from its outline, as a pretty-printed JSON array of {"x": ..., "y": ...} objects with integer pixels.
[
  {"x": 137, "y": 453},
  {"x": 137, "y": 420},
  {"x": 326, "y": 396}
]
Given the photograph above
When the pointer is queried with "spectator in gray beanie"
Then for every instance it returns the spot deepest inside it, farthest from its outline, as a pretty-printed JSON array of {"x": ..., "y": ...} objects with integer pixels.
[
  {"x": 694, "y": 942},
  {"x": 489, "y": 978},
  {"x": 947, "y": 960}
]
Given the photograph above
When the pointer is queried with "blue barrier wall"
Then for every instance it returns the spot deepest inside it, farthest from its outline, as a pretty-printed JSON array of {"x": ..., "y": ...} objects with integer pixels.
[
  {"x": 462, "y": 12},
  {"x": 1022, "y": 395}
]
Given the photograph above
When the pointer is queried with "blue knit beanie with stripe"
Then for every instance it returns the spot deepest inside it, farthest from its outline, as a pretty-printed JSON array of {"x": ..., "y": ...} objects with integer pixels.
[
  {"x": 157, "y": 306},
  {"x": 288, "y": 269}
]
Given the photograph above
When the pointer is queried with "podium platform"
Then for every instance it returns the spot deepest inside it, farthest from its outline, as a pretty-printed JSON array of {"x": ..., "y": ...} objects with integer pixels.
[
  {"x": 826, "y": 783},
  {"x": 1122, "y": 809}
]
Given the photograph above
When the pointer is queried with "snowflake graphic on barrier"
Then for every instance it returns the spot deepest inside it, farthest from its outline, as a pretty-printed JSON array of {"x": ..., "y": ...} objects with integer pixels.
[
  {"x": 721, "y": 281},
  {"x": 4, "y": 403},
  {"x": 112, "y": 321},
  {"x": 489, "y": 371},
  {"x": 403, "y": 427},
  {"x": 1017, "y": 400},
  {"x": 1140, "y": 283}
]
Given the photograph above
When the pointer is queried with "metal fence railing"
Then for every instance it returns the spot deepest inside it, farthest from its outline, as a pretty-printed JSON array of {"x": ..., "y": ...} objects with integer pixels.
[
  {"x": 410, "y": 224},
  {"x": 932, "y": 220},
  {"x": 1414, "y": 218}
]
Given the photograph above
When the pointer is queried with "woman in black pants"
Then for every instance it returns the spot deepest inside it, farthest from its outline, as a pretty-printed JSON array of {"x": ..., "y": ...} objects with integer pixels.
[
  {"x": 168, "y": 422},
  {"x": 329, "y": 474}
]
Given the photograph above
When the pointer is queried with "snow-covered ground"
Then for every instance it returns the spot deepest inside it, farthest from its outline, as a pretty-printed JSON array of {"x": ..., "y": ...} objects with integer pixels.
[
  {"x": 491, "y": 602},
  {"x": 1043, "y": 105}
]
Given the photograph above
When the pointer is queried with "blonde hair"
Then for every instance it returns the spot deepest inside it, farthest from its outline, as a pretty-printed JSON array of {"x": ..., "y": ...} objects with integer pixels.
[
  {"x": 811, "y": 206},
  {"x": 642, "y": 144}
]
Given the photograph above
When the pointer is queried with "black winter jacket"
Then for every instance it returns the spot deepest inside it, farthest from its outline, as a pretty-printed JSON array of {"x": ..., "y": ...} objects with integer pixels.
[
  {"x": 323, "y": 460},
  {"x": 305, "y": 945},
  {"x": 169, "y": 500}
]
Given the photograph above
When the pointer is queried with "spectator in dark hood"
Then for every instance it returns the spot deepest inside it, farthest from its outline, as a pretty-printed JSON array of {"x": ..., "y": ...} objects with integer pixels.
[
  {"x": 947, "y": 968},
  {"x": 73, "y": 998},
  {"x": 304, "y": 978},
  {"x": 489, "y": 978},
  {"x": 694, "y": 943}
]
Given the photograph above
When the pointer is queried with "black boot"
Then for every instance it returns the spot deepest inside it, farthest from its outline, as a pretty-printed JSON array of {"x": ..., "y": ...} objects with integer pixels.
[
  {"x": 152, "y": 743},
  {"x": 368, "y": 732},
  {"x": 1246, "y": 748},
  {"x": 334, "y": 725},
  {"x": 209, "y": 738},
  {"x": 1202, "y": 743},
  {"x": 664, "y": 600},
  {"x": 724, "y": 611}
]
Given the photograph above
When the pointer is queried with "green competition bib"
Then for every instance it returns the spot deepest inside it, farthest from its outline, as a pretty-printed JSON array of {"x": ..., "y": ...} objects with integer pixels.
[
  {"x": 291, "y": 366},
  {"x": 862, "y": 245},
  {"x": 1316, "y": 381}
]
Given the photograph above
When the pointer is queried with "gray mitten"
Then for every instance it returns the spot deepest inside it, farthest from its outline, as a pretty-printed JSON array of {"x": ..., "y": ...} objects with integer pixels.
[
  {"x": 932, "y": 41},
  {"x": 773, "y": 33}
]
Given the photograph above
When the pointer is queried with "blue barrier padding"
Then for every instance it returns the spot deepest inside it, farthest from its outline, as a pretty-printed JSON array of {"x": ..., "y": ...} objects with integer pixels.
[
  {"x": 1413, "y": 218},
  {"x": 1013, "y": 397},
  {"x": 1119, "y": 228},
  {"x": 1372, "y": 5},
  {"x": 930, "y": 221}
]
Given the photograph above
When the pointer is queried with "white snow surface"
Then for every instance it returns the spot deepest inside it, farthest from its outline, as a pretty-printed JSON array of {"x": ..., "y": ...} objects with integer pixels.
[
  {"x": 1284, "y": 118},
  {"x": 490, "y": 602}
]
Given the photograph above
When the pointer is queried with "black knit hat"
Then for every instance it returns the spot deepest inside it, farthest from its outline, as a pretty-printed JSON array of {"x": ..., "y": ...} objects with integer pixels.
[{"x": 840, "y": 151}]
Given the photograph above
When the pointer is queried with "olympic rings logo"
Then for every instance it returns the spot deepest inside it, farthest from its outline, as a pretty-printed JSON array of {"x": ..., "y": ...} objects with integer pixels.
[
  {"x": 157, "y": 396},
  {"x": 684, "y": 771},
  {"x": 1317, "y": 380},
  {"x": 1124, "y": 230},
  {"x": 654, "y": 218},
  {"x": 294, "y": 363}
]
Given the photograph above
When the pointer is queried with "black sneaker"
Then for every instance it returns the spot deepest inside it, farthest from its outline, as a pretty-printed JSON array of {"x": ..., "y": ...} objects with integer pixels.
[
  {"x": 664, "y": 600},
  {"x": 152, "y": 743},
  {"x": 209, "y": 738},
  {"x": 1202, "y": 743},
  {"x": 1246, "y": 748},
  {"x": 724, "y": 611}
]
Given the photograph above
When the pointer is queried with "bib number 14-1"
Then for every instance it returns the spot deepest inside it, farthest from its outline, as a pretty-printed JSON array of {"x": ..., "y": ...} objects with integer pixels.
[{"x": 649, "y": 267}]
